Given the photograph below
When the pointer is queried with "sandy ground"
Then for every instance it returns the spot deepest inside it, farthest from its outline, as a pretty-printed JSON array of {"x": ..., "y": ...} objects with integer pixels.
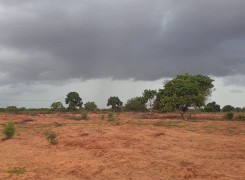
[{"x": 134, "y": 147}]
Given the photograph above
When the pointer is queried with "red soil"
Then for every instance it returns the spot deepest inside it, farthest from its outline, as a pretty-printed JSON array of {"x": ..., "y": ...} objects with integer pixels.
[{"x": 135, "y": 149}]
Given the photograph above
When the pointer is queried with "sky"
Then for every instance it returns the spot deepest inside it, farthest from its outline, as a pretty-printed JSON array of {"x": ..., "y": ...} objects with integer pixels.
[{"x": 103, "y": 48}]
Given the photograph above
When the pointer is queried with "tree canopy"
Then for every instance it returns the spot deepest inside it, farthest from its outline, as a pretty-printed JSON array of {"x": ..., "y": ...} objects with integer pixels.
[
  {"x": 212, "y": 107},
  {"x": 136, "y": 104},
  {"x": 73, "y": 100},
  {"x": 57, "y": 106},
  {"x": 115, "y": 103},
  {"x": 228, "y": 108},
  {"x": 90, "y": 106},
  {"x": 149, "y": 96},
  {"x": 185, "y": 91}
]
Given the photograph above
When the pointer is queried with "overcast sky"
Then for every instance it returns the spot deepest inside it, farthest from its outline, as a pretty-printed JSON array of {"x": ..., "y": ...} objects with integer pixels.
[{"x": 102, "y": 48}]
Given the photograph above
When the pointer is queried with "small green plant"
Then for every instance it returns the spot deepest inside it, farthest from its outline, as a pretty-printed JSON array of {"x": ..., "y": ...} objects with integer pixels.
[
  {"x": 17, "y": 170},
  {"x": 229, "y": 115},
  {"x": 9, "y": 130},
  {"x": 241, "y": 117},
  {"x": 84, "y": 115},
  {"x": 51, "y": 137},
  {"x": 110, "y": 117}
]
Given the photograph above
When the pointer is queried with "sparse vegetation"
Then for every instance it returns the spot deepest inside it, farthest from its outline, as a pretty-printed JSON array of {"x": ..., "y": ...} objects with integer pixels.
[
  {"x": 229, "y": 115},
  {"x": 51, "y": 137},
  {"x": 110, "y": 117},
  {"x": 9, "y": 130},
  {"x": 84, "y": 115},
  {"x": 17, "y": 170}
]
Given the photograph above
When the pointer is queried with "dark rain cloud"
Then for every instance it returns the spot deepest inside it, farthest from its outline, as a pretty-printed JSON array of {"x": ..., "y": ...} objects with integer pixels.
[{"x": 43, "y": 40}]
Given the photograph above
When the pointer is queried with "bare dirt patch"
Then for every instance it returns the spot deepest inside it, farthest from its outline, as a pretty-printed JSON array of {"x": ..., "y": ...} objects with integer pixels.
[{"x": 133, "y": 148}]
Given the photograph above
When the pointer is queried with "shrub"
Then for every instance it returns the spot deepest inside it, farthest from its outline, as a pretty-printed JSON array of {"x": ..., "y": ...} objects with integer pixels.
[
  {"x": 9, "y": 130},
  {"x": 241, "y": 117},
  {"x": 84, "y": 115},
  {"x": 229, "y": 115},
  {"x": 110, "y": 117},
  {"x": 51, "y": 137}
]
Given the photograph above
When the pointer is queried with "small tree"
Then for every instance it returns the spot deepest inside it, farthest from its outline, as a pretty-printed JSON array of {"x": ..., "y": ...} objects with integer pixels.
[
  {"x": 185, "y": 91},
  {"x": 212, "y": 107},
  {"x": 149, "y": 96},
  {"x": 73, "y": 100},
  {"x": 57, "y": 106},
  {"x": 90, "y": 106},
  {"x": 228, "y": 108},
  {"x": 136, "y": 104},
  {"x": 115, "y": 103}
]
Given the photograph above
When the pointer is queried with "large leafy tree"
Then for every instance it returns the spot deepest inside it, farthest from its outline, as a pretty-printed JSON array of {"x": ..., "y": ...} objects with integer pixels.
[
  {"x": 73, "y": 100},
  {"x": 90, "y": 106},
  {"x": 115, "y": 103},
  {"x": 185, "y": 91},
  {"x": 136, "y": 104}
]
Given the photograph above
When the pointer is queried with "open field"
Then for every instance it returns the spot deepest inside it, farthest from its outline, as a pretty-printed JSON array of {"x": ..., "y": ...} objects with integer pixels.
[{"x": 134, "y": 146}]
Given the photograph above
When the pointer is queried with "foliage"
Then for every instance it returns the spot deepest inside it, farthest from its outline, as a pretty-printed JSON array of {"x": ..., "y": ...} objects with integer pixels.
[
  {"x": 185, "y": 91},
  {"x": 115, "y": 103},
  {"x": 157, "y": 101},
  {"x": 13, "y": 109},
  {"x": 84, "y": 115},
  {"x": 9, "y": 130},
  {"x": 136, "y": 104},
  {"x": 51, "y": 137},
  {"x": 229, "y": 115},
  {"x": 73, "y": 100},
  {"x": 90, "y": 106},
  {"x": 241, "y": 117},
  {"x": 228, "y": 108},
  {"x": 110, "y": 116},
  {"x": 212, "y": 107},
  {"x": 57, "y": 106},
  {"x": 149, "y": 96},
  {"x": 17, "y": 170},
  {"x": 238, "y": 109}
]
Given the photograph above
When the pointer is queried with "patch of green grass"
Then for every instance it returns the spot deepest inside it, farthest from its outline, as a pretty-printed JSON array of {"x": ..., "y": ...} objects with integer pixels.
[
  {"x": 17, "y": 170},
  {"x": 211, "y": 127},
  {"x": 169, "y": 124}
]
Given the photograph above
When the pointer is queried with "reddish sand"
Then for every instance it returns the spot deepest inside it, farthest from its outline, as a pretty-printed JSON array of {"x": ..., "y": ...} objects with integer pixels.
[{"x": 135, "y": 148}]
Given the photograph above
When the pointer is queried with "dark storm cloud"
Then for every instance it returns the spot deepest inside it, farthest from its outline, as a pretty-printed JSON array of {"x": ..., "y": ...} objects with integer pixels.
[{"x": 138, "y": 39}]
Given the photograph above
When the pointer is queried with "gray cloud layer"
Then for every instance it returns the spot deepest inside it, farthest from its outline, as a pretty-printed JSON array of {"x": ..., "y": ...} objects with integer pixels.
[{"x": 42, "y": 40}]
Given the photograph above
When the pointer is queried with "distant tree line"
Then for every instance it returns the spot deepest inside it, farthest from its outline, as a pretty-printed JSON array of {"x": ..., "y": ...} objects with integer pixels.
[{"x": 182, "y": 93}]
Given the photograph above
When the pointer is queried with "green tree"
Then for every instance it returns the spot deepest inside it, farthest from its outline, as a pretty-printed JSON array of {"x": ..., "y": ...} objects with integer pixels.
[
  {"x": 228, "y": 108},
  {"x": 136, "y": 104},
  {"x": 73, "y": 100},
  {"x": 185, "y": 91},
  {"x": 212, "y": 107},
  {"x": 115, "y": 103},
  {"x": 90, "y": 106},
  {"x": 57, "y": 106},
  {"x": 149, "y": 96}
]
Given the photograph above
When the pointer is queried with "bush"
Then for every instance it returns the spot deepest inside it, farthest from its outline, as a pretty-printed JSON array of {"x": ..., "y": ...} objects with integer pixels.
[
  {"x": 51, "y": 137},
  {"x": 84, "y": 115},
  {"x": 229, "y": 115},
  {"x": 9, "y": 130},
  {"x": 110, "y": 117},
  {"x": 241, "y": 117}
]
